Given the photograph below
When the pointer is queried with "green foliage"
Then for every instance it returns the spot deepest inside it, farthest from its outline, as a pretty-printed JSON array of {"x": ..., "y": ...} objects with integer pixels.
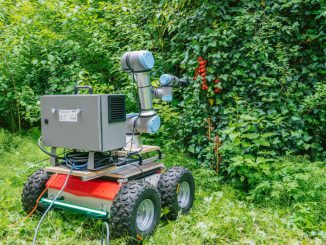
[
  {"x": 49, "y": 46},
  {"x": 295, "y": 183},
  {"x": 269, "y": 56},
  {"x": 220, "y": 213},
  {"x": 293, "y": 180},
  {"x": 269, "y": 70}
]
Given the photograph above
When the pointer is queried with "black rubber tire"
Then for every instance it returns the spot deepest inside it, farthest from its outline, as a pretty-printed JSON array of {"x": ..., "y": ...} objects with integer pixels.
[
  {"x": 168, "y": 188},
  {"x": 33, "y": 188},
  {"x": 124, "y": 209}
]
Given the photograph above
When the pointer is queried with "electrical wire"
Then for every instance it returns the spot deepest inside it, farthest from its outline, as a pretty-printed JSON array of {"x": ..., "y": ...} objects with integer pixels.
[
  {"x": 107, "y": 240},
  {"x": 50, "y": 206},
  {"x": 135, "y": 152},
  {"x": 42, "y": 160},
  {"x": 37, "y": 200},
  {"x": 34, "y": 208},
  {"x": 142, "y": 172},
  {"x": 79, "y": 160},
  {"x": 45, "y": 151}
]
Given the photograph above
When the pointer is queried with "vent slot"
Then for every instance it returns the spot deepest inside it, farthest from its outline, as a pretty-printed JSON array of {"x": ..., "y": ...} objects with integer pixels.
[{"x": 117, "y": 108}]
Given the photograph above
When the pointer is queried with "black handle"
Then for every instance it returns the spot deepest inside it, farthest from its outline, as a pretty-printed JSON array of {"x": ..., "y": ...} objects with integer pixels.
[{"x": 76, "y": 88}]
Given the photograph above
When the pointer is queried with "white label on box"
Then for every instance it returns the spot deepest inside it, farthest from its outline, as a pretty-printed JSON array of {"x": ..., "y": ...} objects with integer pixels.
[{"x": 68, "y": 115}]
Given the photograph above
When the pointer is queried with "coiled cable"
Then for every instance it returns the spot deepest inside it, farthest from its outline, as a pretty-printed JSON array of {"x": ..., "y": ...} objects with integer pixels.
[
  {"x": 50, "y": 206},
  {"x": 79, "y": 160}
]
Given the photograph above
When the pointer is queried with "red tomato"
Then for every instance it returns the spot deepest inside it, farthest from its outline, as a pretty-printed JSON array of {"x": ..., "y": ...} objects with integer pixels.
[
  {"x": 200, "y": 58},
  {"x": 202, "y": 63},
  {"x": 203, "y": 74},
  {"x": 217, "y": 81}
]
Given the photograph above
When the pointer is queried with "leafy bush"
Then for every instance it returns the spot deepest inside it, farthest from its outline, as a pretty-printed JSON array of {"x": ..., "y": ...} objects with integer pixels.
[
  {"x": 297, "y": 184},
  {"x": 49, "y": 46},
  {"x": 291, "y": 181},
  {"x": 268, "y": 56}
]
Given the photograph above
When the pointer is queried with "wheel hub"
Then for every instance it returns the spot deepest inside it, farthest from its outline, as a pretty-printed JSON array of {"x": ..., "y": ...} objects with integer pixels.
[
  {"x": 145, "y": 215},
  {"x": 184, "y": 194}
]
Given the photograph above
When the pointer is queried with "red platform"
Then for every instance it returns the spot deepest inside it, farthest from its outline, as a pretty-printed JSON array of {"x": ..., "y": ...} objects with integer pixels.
[{"x": 94, "y": 188}]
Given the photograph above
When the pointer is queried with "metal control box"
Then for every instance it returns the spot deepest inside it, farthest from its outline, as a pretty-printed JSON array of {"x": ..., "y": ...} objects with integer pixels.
[{"x": 84, "y": 122}]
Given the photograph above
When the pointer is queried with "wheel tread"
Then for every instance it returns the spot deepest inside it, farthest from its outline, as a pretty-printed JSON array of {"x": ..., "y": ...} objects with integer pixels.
[
  {"x": 167, "y": 187},
  {"x": 122, "y": 208},
  {"x": 33, "y": 187}
]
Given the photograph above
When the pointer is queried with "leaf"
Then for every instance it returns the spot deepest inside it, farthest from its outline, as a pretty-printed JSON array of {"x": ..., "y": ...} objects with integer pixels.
[
  {"x": 233, "y": 135},
  {"x": 250, "y": 136},
  {"x": 261, "y": 142},
  {"x": 248, "y": 118}
]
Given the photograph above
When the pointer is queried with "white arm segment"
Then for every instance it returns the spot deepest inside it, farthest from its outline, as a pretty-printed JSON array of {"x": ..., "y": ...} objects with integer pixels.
[
  {"x": 167, "y": 81},
  {"x": 139, "y": 65}
]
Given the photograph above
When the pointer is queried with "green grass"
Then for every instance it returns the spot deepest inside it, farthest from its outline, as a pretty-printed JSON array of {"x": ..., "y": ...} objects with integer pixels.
[{"x": 221, "y": 214}]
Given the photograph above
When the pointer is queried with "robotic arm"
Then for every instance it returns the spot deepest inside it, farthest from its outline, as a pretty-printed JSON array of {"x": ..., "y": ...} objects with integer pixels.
[
  {"x": 139, "y": 64},
  {"x": 167, "y": 81}
]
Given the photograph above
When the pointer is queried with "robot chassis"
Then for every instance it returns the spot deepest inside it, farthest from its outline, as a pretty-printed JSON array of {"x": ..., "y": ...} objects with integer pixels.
[{"x": 108, "y": 177}]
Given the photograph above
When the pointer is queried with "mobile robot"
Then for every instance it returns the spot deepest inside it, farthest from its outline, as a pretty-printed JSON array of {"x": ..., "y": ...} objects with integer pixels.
[{"x": 105, "y": 171}]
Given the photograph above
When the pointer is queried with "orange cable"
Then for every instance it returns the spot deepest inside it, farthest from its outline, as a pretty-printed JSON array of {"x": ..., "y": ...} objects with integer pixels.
[
  {"x": 36, "y": 204},
  {"x": 38, "y": 199}
]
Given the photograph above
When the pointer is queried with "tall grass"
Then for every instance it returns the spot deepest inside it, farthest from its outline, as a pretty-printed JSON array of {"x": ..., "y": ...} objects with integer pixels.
[{"x": 221, "y": 214}]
